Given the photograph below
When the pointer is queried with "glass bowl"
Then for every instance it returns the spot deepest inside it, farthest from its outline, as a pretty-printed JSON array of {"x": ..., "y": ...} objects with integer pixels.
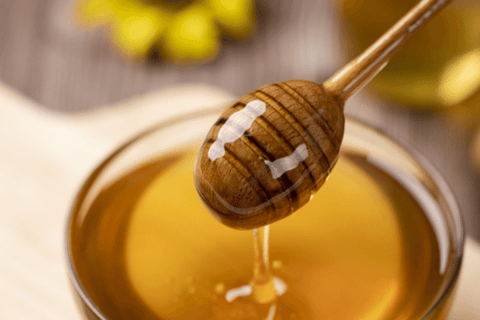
[{"x": 406, "y": 166}]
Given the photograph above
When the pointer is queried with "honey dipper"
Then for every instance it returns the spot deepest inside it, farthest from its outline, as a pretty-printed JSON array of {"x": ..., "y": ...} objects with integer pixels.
[{"x": 273, "y": 149}]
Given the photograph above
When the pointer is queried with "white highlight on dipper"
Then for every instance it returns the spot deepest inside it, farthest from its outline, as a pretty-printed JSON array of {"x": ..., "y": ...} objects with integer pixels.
[
  {"x": 282, "y": 165},
  {"x": 236, "y": 126}
]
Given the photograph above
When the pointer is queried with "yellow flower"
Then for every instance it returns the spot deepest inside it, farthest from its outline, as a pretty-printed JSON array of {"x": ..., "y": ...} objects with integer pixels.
[
  {"x": 187, "y": 31},
  {"x": 192, "y": 35},
  {"x": 135, "y": 33},
  {"x": 236, "y": 17}
]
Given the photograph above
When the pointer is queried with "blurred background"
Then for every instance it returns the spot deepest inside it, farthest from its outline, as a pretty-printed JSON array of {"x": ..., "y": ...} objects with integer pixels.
[{"x": 73, "y": 56}]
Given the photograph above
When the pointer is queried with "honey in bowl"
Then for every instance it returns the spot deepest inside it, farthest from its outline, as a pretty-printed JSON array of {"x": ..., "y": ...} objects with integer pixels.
[{"x": 374, "y": 243}]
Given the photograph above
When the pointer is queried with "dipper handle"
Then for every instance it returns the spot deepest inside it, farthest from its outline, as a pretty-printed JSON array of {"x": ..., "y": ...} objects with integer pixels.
[{"x": 353, "y": 76}]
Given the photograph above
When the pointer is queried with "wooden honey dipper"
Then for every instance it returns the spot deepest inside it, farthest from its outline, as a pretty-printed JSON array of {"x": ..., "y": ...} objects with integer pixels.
[{"x": 273, "y": 149}]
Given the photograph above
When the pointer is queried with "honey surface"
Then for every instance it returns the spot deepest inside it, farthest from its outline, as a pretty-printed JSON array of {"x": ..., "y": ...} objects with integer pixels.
[{"x": 361, "y": 249}]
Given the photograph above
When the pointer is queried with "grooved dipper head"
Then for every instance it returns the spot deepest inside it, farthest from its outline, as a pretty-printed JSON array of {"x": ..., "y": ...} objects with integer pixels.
[{"x": 269, "y": 153}]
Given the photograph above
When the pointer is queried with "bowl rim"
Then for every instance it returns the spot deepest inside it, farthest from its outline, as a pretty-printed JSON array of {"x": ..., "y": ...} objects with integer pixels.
[{"x": 422, "y": 161}]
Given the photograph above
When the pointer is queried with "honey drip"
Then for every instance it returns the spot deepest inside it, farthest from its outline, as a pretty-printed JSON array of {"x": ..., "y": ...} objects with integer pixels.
[{"x": 263, "y": 288}]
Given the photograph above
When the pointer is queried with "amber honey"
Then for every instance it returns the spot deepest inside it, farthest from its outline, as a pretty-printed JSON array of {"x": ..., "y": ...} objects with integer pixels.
[{"x": 363, "y": 248}]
